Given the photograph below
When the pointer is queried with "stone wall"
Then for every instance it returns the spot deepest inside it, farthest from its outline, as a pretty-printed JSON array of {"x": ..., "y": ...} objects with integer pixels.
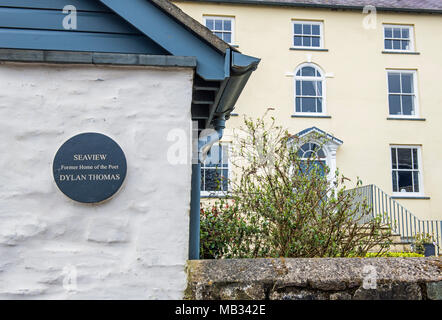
[
  {"x": 135, "y": 245},
  {"x": 316, "y": 279}
]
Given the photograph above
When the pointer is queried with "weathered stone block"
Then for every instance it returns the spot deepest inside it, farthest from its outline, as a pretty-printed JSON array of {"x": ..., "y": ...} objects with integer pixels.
[{"x": 434, "y": 290}]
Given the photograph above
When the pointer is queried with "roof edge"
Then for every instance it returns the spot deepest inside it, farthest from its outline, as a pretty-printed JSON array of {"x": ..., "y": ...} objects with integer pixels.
[
  {"x": 193, "y": 25},
  {"x": 102, "y": 58},
  {"x": 319, "y": 131},
  {"x": 319, "y": 6}
]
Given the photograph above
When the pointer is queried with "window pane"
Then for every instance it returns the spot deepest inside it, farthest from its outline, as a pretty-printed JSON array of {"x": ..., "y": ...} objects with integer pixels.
[
  {"x": 227, "y": 37},
  {"x": 393, "y": 158},
  {"x": 316, "y": 42},
  {"x": 307, "y": 29},
  {"x": 225, "y": 159},
  {"x": 394, "y": 104},
  {"x": 405, "y": 45},
  {"x": 319, "y": 104},
  {"x": 319, "y": 88},
  {"x": 396, "y": 32},
  {"x": 298, "y": 87},
  {"x": 212, "y": 179},
  {"x": 405, "y": 33},
  {"x": 405, "y": 181},
  {"x": 407, "y": 82},
  {"x": 408, "y": 105},
  {"x": 227, "y": 25},
  {"x": 315, "y": 29},
  {"x": 298, "y": 41},
  {"x": 388, "y": 44},
  {"x": 225, "y": 179},
  {"x": 218, "y": 24},
  {"x": 404, "y": 158},
  {"x": 209, "y": 24},
  {"x": 308, "y": 72},
  {"x": 394, "y": 84},
  {"x": 307, "y": 41},
  {"x": 213, "y": 158},
  {"x": 415, "y": 159},
  {"x": 308, "y": 104},
  {"x": 298, "y": 104},
  {"x": 395, "y": 185},
  {"x": 396, "y": 44},
  {"x": 388, "y": 32},
  {"x": 298, "y": 28},
  {"x": 308, "y": 88},
  {"x": 416, "y": 181},
  {"x": 219, "y": 34}
]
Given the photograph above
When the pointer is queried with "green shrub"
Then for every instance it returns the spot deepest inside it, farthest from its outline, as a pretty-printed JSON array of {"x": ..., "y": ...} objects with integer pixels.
[
  {"x": 282, "y": 205},
  {"x": 394, "y": 255}
]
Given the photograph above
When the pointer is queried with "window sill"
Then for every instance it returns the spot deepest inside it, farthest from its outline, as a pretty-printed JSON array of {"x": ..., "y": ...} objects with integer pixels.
[
  {"x": 411, "y": 197},
  {"x": 308, "y": 49},
  {"x": 310, "y": 116},
  {"x": 400, "y": 52},
  {"x": 404, "y": 118},
  {"x": 234, "y": 45}
]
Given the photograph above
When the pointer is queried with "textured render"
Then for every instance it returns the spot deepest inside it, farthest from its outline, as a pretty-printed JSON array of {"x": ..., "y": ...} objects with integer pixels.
[
  {"x": 131, "y": 247},
  {"x": 316, "y": 279}
]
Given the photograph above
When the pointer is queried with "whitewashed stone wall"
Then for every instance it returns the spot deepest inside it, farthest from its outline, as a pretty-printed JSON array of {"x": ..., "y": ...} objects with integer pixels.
[{"x": 134, "y": 246}]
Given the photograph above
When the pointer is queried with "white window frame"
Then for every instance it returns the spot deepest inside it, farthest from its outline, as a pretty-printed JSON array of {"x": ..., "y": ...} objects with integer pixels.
[
  {"x": 312, "y": 22},
  {"x": 204, "y": 193},
  {"x": 410, "y": 31},
  {"x": 324, "y": 89},
  {"x": 232, "y": 19},
  {"x": 416, "y": 95},
  {"x": 420, "y": 172}
]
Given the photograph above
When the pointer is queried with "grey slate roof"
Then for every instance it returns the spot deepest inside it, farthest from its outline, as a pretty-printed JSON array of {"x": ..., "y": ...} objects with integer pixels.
[{"x": 395, "y": 5}]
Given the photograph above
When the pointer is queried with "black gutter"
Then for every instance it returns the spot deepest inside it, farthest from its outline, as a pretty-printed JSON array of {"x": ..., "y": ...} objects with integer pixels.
[
  {"x": 240, "y": 69},
  {"x": 319, "y": 6}
]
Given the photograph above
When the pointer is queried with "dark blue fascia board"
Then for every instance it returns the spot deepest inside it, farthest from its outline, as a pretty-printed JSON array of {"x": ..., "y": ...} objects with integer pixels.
[
  {"x": 80, "y": 5},
  {"x": 44, "y": 19},
  {"x": 171, "y": 35},
  {"x": 77, "y": 41}
]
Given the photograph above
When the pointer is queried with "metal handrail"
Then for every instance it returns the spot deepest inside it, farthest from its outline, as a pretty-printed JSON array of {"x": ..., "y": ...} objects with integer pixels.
[{"x": 402, "y": 221}]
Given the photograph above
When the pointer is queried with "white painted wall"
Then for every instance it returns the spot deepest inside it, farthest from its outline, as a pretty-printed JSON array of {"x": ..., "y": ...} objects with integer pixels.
[{"x": 132, "y": 247}]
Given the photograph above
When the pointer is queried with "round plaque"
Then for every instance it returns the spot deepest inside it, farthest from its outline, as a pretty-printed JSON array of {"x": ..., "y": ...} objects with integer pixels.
[{"x": 89, "y": 167}]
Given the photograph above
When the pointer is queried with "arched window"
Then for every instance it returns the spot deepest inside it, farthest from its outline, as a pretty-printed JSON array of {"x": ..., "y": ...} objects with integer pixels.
[
  {"x": 309, "y": 90},
  {"x": 312, "y": 154}
]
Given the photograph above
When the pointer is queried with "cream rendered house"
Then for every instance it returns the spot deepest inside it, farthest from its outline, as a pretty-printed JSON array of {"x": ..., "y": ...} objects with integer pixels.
[{"x": 367, "y": 73}]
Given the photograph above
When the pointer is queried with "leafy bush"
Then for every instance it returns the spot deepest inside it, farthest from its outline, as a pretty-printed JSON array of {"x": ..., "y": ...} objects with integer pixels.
[
  {"x": 394, "y": 254},
  {"x": 282, "y": 205},
  {"x": 420, "y": 239}
]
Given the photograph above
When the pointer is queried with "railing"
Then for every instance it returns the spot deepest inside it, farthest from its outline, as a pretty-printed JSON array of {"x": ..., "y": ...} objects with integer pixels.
[{"x": 402, "y": 221}]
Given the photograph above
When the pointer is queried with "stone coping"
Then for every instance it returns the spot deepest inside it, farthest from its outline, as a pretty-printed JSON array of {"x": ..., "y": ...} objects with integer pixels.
[{"x": 321, "y": 278}]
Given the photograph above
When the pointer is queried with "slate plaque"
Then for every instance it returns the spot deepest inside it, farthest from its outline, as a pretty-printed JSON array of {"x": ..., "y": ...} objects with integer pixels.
[{"x": 89, "y": 167}]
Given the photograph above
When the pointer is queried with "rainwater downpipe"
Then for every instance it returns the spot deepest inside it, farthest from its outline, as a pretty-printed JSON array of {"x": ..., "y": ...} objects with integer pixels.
[{"x": 204, "y": 145}]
